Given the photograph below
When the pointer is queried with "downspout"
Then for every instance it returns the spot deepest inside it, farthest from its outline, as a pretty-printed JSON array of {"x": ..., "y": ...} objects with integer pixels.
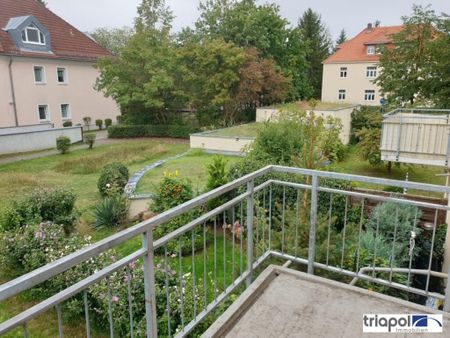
[{"x": 13, "y": 94}]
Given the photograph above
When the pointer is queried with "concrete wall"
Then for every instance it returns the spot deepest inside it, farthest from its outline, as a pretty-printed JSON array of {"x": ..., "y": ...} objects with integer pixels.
[
  {"x": 24, "y": 129},
  {"x": 37, "y": 140},
  {"x": 215, "y": 143},
  {"x": 78, "y": 92},
  {"x": 344, "y": 114},
  {"x": 355, "y": 83}
]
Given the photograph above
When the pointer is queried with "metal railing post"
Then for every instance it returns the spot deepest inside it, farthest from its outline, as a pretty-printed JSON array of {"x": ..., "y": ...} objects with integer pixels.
[
  {"x": 312, "y": 229},
  {"x": 250, "y": 189},
  {"x": 149, "y": 284}
]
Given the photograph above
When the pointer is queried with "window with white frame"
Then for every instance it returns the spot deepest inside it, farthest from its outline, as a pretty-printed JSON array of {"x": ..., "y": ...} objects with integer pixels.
[
  {"x": 43, "y": 112},
  {"x": 341, "y": 95},
  {"x": 343, "y": 71},
  {"x": 31, "y": 34},
  {"x": 371, "y": 72},
  {"x": 39, "y": 76},
  {"x": 370, "y": 50},
  {"x": 369, "y": 95},
  {"x": 61, "y": 74},
  {"x": 65, "y": 111}
]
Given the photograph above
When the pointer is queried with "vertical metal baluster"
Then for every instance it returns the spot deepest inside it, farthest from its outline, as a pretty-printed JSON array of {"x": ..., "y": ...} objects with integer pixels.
[
  {"x": 270, "y": 217},
  {"x": 233, "y": 220},
  {"x": 375, "y": 249},
  {"x": 329, "y": 227},
  {"x": 282, "y": 220},
  {"x": 166, "y": 275},
  {"x": 297, "y": 223},
  {"x": 130, "y": 302},
  {"x": 411, "y": 250},
  {"x": 393, "y": 245},
  {"x": 194, "y": 291},
  {"x": 343, "y": 232},
  {"x": 181, "y": 282},
  {"x": 256, "y": 245},
  {"x": 110, "y": 314},
  {"x": 224, "y": 253},
  {"x": 24, "y": 330},
  {"x": 215, "y": 258},
  {"x": 204, "y": 263},
  {"x": 241, "y": 228},
  {"x": 86, "y": 314},
  {"x": 250, "y": 211},
  {"x": 431, "y": 250},
  {"x": 359, "y": 236},
  {"x": 264, "y": 220},
  {"x": 60, "y": 325},
  {"x": 313, "y": 221}
]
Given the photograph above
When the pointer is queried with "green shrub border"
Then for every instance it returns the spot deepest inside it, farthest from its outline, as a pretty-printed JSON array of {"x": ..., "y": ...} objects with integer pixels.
[{"x": 149, "y": 130}]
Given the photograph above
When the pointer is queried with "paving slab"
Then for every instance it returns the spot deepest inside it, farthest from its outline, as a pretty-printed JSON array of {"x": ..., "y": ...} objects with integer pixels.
[{"x": 287, "y": 303}]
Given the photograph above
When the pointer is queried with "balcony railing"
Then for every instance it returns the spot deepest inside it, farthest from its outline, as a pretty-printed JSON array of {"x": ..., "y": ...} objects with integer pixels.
[{"x": 275, "y": 213}]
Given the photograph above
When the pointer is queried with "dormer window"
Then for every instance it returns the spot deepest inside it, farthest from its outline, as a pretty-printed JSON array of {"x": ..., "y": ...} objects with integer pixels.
[
  {"x": 370, "y": 50},
  {"x": 31, "y": 34}
]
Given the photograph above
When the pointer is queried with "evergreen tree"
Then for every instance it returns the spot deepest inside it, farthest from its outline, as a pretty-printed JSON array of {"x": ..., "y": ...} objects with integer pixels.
[
  {"x": 342, "y": 37},
  {"x": 315, "y": 36}
]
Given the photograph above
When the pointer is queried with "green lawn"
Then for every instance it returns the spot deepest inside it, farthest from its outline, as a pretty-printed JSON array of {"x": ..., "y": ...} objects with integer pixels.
[
  {"x": 416, "y": 173},
  {"x": 80, "y": 169},
  {"x": 243, "y": 130},
  {"x": 191, "y": 166}
]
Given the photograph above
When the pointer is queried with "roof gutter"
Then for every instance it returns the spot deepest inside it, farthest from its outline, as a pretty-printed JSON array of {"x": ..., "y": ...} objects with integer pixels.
[{"x": 13, "y": 93}]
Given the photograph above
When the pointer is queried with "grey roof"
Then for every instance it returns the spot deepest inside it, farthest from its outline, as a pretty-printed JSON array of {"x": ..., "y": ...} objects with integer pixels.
[{"x": 15, "y": 23}]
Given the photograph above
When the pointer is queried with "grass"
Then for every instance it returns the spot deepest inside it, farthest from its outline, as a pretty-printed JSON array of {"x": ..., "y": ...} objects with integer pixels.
[
  {"x": 416, "y": 173},
  {"x": 79, "y": 170},
  {"x": 243, "y": 130},
  {"x": 191, "y": 166}
]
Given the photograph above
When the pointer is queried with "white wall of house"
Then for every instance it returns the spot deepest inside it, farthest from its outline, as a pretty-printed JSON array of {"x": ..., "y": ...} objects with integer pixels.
[
  {"x": 355, "y": 83},
  {"x": 77, "y": 92}
]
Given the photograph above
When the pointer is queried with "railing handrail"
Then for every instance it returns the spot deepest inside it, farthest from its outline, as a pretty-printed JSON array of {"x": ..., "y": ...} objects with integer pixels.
[
  {"x": 50, "y": 270},
  {"x": 412, "y": 110}
]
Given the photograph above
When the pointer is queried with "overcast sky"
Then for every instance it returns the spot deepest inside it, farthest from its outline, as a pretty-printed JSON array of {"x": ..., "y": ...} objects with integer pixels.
[{"x": 352, "y": 15}]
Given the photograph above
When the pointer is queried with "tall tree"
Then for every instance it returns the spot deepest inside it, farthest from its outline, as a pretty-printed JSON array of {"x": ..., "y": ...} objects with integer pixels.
[
  {"x": 342, "y": 37},
  {"x": 153, "y": 14},
  {"x": 113, "y": 39},
  {"x": 247, "y": 24},
  {"x": 318, "y": 44},
  {"x": 406, "y": 67}
]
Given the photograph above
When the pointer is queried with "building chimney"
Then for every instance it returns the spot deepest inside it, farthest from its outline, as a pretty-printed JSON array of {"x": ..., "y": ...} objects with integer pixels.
[{"x": 369, "y": 27}]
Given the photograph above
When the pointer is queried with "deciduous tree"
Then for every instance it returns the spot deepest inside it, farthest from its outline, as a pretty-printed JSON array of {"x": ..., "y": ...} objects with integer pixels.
[{"x": 113, "y": 39}]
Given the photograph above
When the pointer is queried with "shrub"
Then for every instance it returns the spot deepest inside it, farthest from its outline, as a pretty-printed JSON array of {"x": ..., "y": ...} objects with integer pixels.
[
  {"x": 171, "y": 192},
  {"x": 51, "y": 204},
  {"x": 217, "y": 176},
  {"x": 108, "y": 123},
  {"x": 89, "y": 138},
  {"x": 156, "y": 130},
  {"x": 113, "y": 178},
  {"x": 63, "y": 144},
  {"x": 110, "y": 212},
  {"x": 99, "y": 123},
  {"x": 67, "y": 124},
  {"x": 87, "y": 121}
]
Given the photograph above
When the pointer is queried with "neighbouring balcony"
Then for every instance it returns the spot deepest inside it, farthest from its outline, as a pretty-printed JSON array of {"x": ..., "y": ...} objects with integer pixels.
[{"x": 345, "y": 252}]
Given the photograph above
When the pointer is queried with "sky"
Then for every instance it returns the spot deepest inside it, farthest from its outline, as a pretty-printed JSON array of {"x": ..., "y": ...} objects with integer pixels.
[{"x": 351, "y": 15}]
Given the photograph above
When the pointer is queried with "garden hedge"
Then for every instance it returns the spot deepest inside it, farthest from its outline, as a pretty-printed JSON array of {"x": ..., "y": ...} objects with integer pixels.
[{"x": 155, "y": 130}]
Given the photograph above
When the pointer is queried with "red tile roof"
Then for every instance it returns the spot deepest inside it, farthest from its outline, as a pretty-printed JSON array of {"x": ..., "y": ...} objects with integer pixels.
[
  {"x": 355, "y": 49},
  {"x": 67, "y": 41}
]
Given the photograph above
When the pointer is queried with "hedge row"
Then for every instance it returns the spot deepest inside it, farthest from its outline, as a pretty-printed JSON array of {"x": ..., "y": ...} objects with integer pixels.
[{"x": 155, "y": 130}]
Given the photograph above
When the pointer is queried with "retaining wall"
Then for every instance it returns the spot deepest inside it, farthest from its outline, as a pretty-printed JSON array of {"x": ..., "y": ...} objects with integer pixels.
[
  {"x": 209, "y": 141},
  {"x": 37, "y": 140},
  {"x": 24, "y": 129}
]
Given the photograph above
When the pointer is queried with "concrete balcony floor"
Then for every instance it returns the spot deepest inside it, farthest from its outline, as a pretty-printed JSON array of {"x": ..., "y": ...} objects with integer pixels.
[{"x": 283, "y": 302}]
